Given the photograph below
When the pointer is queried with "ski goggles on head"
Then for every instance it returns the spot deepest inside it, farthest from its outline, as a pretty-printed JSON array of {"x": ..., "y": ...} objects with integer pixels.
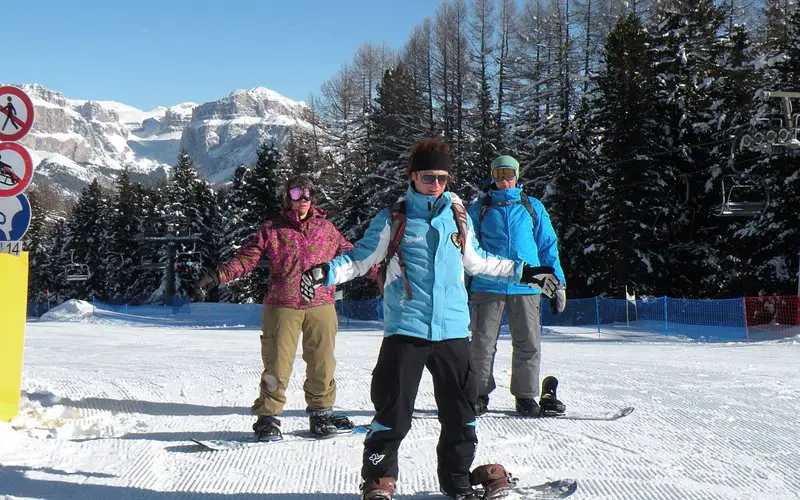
[
  {"x": 504, "y": 173},
  {"x": 431, "y": 178},
  {"x": 299, "y": 193}
]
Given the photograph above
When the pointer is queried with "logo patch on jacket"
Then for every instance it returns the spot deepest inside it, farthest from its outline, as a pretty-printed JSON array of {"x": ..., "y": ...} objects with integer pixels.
[{"x": 456, "y": 239}]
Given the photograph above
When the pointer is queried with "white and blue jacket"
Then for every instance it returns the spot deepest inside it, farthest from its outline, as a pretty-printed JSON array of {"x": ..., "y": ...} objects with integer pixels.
[
  {"x": 507, "y": 229},
  {"x": 434, "y": 265}
]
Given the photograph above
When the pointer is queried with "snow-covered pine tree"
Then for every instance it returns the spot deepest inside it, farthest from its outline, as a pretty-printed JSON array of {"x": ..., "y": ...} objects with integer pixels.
[
  {"x": 686, "y": 46},
  {"x": 774, "y": 237},
  {"x": 88, "y": 236},
  {"x": 256, "y": 196},
  {"x": 623, "y": 247},
  {"x": 124, "y": 248}
]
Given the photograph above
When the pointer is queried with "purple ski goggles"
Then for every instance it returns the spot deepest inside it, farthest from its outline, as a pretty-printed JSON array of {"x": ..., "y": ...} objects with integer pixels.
[{"x": 299, "y": 193}]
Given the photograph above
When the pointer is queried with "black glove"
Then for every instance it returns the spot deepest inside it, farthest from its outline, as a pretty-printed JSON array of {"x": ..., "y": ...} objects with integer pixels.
[
  {"x": 206, "y": 283},
  {"x": 559, "y": 301},
  {"x": 311, "y": 279},
  {"x": 541, "y": 278}
]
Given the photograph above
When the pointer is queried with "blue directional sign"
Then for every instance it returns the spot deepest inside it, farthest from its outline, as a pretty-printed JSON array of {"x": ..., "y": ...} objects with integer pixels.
[{"x": 15, "y": 217}]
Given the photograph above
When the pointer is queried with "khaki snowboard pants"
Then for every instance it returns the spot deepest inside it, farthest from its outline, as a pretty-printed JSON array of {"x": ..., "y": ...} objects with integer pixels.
[{"x": 281, "y": 327}]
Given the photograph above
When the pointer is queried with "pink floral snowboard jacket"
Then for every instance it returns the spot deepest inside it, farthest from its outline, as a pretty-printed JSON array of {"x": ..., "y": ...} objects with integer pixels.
[{"x": 292, "y": 246}]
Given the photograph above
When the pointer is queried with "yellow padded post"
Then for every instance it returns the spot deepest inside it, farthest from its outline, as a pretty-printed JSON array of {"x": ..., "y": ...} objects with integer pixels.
[{"x": 13, "y": 309}]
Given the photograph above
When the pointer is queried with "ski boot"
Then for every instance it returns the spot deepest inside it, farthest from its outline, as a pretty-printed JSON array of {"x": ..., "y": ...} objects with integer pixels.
[
  {"x": 324, "y": 423},
  {"x": 494, "y": 479},
  {"x": 549, "y": 403},
  {"x": 267, "y": 428},
  {"x": 528, "y": 407},
  {"x": 481, "y": 405},
  {"x": 378, "y": 489}
]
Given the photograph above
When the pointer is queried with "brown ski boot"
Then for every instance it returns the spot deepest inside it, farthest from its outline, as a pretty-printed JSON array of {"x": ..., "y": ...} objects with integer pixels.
[
  {"x": 378, "y": 489},
  {"x": 494, "y": 479}
]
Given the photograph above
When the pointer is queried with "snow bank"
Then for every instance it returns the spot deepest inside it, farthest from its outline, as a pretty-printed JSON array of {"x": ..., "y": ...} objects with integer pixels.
[
  {"x": 47, "y": 419},
  {"x": 71, "y": 310}
]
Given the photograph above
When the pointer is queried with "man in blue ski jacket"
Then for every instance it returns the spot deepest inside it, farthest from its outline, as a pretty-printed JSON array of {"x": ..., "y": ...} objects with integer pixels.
[
  {"x": 426, "y": 243},
  {"x": 516, "y": 226}
]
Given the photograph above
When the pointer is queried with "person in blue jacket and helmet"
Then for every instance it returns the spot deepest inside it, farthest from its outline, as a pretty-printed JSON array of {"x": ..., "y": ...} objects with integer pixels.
[
  {"x": 516, "y": 226},
  {"x": 426, "y": 321}
]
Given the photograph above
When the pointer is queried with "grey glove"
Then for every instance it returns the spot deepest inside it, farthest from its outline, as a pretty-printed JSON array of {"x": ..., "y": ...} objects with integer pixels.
[
  {"x": 559, "y": 301},
  {"x": 313, "y": 278},
  {"x": 541, "y": 278}
]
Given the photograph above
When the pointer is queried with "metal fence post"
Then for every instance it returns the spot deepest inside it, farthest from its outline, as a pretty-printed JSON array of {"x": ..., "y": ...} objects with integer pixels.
[{"x": 597, "y": 313}]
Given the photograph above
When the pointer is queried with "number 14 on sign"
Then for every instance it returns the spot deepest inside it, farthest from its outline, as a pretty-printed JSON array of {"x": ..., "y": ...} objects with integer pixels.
[{"x": 10, "y": 247}]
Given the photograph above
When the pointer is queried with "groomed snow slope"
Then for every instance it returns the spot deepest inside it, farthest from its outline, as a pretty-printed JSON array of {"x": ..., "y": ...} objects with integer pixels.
[{"x": 109, "y": 409}]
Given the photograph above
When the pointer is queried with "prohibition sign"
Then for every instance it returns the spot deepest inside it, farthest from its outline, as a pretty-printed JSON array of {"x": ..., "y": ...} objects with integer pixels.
[
  {"x": 15, "y": 119},
  {"x": 16, "y": 169}
]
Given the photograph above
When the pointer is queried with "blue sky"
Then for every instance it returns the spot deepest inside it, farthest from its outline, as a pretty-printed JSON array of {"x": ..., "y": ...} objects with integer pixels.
[{"x": 148, "y": 53}]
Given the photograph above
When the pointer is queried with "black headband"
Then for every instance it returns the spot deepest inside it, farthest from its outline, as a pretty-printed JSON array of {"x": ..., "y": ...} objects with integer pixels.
[{"x": 430, "y": 160}]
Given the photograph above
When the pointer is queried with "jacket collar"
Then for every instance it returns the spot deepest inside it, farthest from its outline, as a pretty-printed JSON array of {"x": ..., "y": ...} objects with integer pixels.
[
  {"x": 505, "y": 195},
  {"x": 313, "y": 213},
  {"x": 425, "y": 206}
]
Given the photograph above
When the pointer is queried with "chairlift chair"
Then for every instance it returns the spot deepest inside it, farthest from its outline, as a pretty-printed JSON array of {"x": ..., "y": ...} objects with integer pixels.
[
  {"x": 740, "y": 199},
  {"x": 75, "y": 271}
]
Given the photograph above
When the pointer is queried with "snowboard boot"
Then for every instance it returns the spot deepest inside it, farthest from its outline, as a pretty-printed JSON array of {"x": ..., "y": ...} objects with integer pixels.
[
  {"x": 481, "y": 405},
  {"x": 378, "y": 489},
  {"x": 458, "y": 487},
  {"x": 341, "y": 422},
  {"x": 549, "y": 403},
  {"x": 494, "y": 479},
  {"x": 324, "y": 423},
  {"x": 267, "y": 428},
  {"x": 528, "y": 407}
]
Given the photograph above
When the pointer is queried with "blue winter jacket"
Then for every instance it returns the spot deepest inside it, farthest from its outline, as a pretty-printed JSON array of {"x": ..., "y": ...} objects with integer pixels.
[
  {"x": 507, "y": 230},
  {"x": 434, "y": 265}
]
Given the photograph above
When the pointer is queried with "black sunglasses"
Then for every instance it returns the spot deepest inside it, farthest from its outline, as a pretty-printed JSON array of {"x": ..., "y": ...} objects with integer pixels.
[{"x": 431, "y": 178}]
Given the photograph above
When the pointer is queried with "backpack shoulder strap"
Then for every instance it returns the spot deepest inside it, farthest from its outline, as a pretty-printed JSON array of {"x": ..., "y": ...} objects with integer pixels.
[
  {"x": 523, "y": 198},
  {"x": 397, "y": 215},
  {"x": 460, "y": 215}
]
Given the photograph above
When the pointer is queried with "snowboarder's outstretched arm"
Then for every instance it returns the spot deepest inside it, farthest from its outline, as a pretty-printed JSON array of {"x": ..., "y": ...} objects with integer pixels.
[
  {"x": 368, "y": 251},
  {"x": 245, "y": 260}
]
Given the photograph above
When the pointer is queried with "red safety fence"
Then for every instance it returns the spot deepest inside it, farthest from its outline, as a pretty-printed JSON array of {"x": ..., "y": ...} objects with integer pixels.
[{"x": 778, "y": 315}]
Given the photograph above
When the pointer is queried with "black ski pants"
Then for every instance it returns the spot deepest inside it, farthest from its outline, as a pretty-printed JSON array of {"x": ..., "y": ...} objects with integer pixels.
[{"x": 395, "y": 382}]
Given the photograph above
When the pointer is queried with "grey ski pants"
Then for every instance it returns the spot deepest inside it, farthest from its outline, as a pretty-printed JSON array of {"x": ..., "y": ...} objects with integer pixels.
[{"x": 523, "y": 321}]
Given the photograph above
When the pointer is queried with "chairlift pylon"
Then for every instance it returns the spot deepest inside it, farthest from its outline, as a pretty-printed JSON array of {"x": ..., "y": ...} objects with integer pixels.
[{"x": 75, "y": 271}]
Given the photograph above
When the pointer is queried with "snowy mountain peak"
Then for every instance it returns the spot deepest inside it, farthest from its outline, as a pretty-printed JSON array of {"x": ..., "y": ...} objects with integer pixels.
[
  {"x": 75, "y": 140},
  {"x": 263, "y": 93}
]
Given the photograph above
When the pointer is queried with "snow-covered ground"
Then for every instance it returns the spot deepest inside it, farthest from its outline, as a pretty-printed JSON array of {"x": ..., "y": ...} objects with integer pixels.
[{"x": 110, "y": 403}]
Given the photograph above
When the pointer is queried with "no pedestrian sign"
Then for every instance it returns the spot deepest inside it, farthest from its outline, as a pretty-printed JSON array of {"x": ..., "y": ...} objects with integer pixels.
[
  {"x": 16, "y": 113},
  {"x": 16, "y": 169}
]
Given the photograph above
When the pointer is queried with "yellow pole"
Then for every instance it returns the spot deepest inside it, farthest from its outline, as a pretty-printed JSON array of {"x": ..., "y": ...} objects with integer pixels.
[{"x": 13, "y": 309}]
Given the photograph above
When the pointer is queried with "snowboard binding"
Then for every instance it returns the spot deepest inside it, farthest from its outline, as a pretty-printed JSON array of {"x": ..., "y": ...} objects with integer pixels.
[{"x": 494, "y": 479}]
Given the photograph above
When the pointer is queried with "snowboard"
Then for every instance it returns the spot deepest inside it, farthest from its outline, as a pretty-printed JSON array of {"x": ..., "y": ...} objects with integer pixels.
[
  {"x": 605, "y": 416},
  {"x": 550, "y": 490},
  {"x": 250, "y": 441},
  {"x": 601, "y": 416},
  {"x": 545, "y": 491}
]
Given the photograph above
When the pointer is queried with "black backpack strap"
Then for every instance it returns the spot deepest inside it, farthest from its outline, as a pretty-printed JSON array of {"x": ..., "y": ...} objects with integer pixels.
[
  {"x": 486, "y": 201},
  {"x": 523, "y": 198}
]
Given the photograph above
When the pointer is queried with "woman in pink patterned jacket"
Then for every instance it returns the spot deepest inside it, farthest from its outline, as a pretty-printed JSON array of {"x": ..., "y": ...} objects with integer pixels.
[{"x": 301, "y": 238}]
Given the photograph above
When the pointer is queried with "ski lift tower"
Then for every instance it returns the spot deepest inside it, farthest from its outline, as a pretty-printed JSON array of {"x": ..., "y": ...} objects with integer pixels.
[
  {"x": 783, "y": 132},
  {"x": 171, "y": 241}
]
